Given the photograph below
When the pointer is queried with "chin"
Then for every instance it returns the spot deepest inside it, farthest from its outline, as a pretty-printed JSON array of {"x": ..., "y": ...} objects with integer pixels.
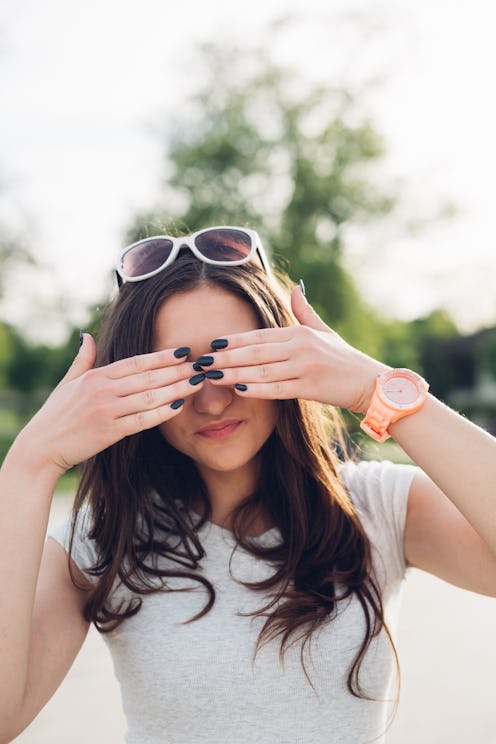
[
  {"x": 227, "y": 465},
  {"x": 228, "y": 459}
]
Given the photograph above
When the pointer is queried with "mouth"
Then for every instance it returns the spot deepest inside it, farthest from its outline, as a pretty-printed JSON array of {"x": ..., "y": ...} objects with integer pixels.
[{"x": 220, "y": 430}]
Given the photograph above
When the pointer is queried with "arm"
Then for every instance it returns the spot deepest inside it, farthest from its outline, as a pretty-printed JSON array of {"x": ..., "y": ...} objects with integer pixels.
[
  {"x": 440, "y": 540},
  {"x": 25, "y": 623},
  {"x": 41, "y": 623},
  {"x": 459, "y": 457}
]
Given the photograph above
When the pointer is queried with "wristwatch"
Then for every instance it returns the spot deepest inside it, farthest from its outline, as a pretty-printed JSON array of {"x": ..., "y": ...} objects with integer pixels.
[{"x": 398, "y": 392}]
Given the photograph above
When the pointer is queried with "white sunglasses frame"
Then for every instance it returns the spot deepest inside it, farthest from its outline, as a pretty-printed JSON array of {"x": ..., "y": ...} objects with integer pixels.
[{"x": 188, "y": 241}]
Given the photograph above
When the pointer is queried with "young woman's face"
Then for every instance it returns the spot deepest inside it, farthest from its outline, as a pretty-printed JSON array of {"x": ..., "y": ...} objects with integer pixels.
[{"x": 194, "y": 319}]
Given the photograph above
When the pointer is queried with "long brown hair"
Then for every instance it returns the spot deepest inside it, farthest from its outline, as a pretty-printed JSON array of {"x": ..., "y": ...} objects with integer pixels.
[{"x": 140, "y": 491}]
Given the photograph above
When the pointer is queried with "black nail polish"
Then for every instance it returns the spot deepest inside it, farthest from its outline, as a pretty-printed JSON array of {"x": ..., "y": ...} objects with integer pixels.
[
  {"x": 81, "y": 338},
  {"x": 241, "y": 386},
  {"x": 219, "y": 343},
  {"x": 183, "y": 351},
  {"x": 177, "y": 404},
  {"x": 214, "y": 374},
  {"x": 205, "y": 361},
  {"x": 196, "y": 379},
  {"x": 197, "y": 367},
  {"x": 302, "y": 286}
]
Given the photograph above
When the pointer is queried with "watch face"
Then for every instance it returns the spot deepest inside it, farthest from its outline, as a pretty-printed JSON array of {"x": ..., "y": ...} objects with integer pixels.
[{"x": 401, "y": 390}]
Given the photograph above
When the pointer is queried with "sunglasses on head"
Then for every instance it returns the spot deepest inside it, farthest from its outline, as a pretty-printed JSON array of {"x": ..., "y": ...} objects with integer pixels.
[{"x": 219, "y": 246}]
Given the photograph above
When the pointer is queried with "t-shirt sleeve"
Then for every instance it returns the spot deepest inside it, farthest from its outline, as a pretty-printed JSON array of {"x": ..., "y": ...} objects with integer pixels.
[
  {"x": 379, "y": 492},
  {"x": 83, "y": 552}
]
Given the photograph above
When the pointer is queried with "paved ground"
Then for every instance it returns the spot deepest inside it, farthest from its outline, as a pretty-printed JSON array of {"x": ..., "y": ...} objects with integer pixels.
[{"x": 447, "y": 648}]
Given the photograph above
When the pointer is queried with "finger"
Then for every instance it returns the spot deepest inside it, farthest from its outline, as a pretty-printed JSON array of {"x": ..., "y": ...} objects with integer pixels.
[
  {"x": 280, "y": 390},
  {"x": 84, "y": 360},
  {"x": 155, "y": 398},
  {"x": 142, "y": 420},
  {"x": 304, "y": 312},
  {"x": 260, "y": 373},
  {"x": 143, "y": 362},
  {"x": 244, "y": 356},
  {"x": 152, "y": 379},
  {"x": 253, "y": 338}
]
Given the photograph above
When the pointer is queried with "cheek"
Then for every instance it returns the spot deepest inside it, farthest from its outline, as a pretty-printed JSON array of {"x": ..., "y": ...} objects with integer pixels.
[
  {"x": 172, "y": 433},
  {"x": 268, "y": 415}
]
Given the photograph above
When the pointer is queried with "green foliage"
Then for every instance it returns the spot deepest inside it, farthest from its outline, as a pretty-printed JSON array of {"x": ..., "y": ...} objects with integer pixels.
[
  {"x": 414, "y": 344},
  {"x": 399, "y": 347},
  {"x": 486, "y": 353},
  {"x": 29, "y": 368},
  {"x": 5, "y": 352},
  {"x": 428, "y": 335}
]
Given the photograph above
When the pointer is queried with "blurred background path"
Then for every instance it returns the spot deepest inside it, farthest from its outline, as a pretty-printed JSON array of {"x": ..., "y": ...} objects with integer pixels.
[{"x": 447, "y": 649}]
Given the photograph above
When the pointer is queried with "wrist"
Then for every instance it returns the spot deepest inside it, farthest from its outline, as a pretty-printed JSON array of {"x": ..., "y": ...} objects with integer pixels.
[
  {"x": 369, "y": 386},
  {"x": 28, "y": 460}
]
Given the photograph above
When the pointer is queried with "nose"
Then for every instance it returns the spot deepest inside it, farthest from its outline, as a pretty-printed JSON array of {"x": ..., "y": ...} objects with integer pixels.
[{"x": 212, "y": 399}]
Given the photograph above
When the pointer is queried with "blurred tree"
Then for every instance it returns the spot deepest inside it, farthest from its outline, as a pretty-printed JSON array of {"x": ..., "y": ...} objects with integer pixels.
[
  {"x": 428, "y": 336},
  {"x": 400, "y": 345},
  {"x": 32, "y": 370},
  {"x": 486, "y": 352},
  {"x": 5, "y": 352},
  {"x": 258, "y": 146},
  {"x": 12, "y": 253}
]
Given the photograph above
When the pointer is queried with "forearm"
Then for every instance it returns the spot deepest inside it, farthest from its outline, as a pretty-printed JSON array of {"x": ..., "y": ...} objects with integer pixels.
[
  {"x": 25, "y": 498},
  {"x": 459, "y": 457}
]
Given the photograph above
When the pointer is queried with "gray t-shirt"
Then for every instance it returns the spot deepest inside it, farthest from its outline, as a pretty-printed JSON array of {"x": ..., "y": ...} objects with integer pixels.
[{"x": 196, "y": 684}]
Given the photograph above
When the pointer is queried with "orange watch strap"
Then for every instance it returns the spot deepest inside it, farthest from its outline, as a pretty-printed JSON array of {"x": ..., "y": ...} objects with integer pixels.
[{"x": 377, "y": 420}]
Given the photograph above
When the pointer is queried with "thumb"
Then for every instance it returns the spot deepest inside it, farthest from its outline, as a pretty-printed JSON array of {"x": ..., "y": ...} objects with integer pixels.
[
  {"x": 304, "y": 312},
  {"x": 84, "y": 360}
]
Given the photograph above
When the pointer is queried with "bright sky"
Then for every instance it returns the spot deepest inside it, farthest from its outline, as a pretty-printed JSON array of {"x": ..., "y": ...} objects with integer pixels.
[{"x": 88, "y": 88}]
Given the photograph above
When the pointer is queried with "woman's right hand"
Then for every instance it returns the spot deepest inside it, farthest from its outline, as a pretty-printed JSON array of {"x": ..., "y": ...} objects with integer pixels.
[{"x": 92, "y": 408}]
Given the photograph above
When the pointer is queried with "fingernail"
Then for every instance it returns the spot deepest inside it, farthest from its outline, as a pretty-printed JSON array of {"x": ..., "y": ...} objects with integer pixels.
[
  {"x": 177, "y": 404},
  {"x": 196, "y": 379},
  {"x": 214, "y": 374},
  {"x": 197, "y": 367},
  {"x": 205, "y": 361},
  {"x": 219, "y": 343},
  {"x": 241, "y": 386},
  {"x": 183, "y": 351},
  {"x": 81, "y": 338},
  {"x": 302, "y": 287}
]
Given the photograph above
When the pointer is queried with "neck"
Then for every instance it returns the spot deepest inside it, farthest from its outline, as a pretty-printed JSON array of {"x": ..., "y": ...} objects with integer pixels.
[{"x": 226, "y": 490}]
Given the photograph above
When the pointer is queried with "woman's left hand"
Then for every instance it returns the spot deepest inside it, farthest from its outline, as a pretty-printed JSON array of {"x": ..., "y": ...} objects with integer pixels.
[{"x": 309, "y": 361}]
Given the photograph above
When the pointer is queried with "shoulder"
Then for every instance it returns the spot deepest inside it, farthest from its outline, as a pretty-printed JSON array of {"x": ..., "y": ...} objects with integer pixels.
[
  {"x": 370, "y": 481},
  {"x": 379, "y": 492},
  {"x": 83, "y": 550}
]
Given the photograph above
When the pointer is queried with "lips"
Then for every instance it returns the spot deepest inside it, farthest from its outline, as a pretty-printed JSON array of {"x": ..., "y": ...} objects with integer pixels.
[{"x": 221, "y": 429}]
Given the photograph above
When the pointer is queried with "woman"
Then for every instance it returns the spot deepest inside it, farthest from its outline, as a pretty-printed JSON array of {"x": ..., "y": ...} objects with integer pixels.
[{"x": 245, "y": 579}]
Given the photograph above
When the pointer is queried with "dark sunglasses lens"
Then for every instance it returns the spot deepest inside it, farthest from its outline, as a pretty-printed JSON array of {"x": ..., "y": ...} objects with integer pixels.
[
  {"x": 224, "y": 244},
  {"x": 146, "y": 257}
]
